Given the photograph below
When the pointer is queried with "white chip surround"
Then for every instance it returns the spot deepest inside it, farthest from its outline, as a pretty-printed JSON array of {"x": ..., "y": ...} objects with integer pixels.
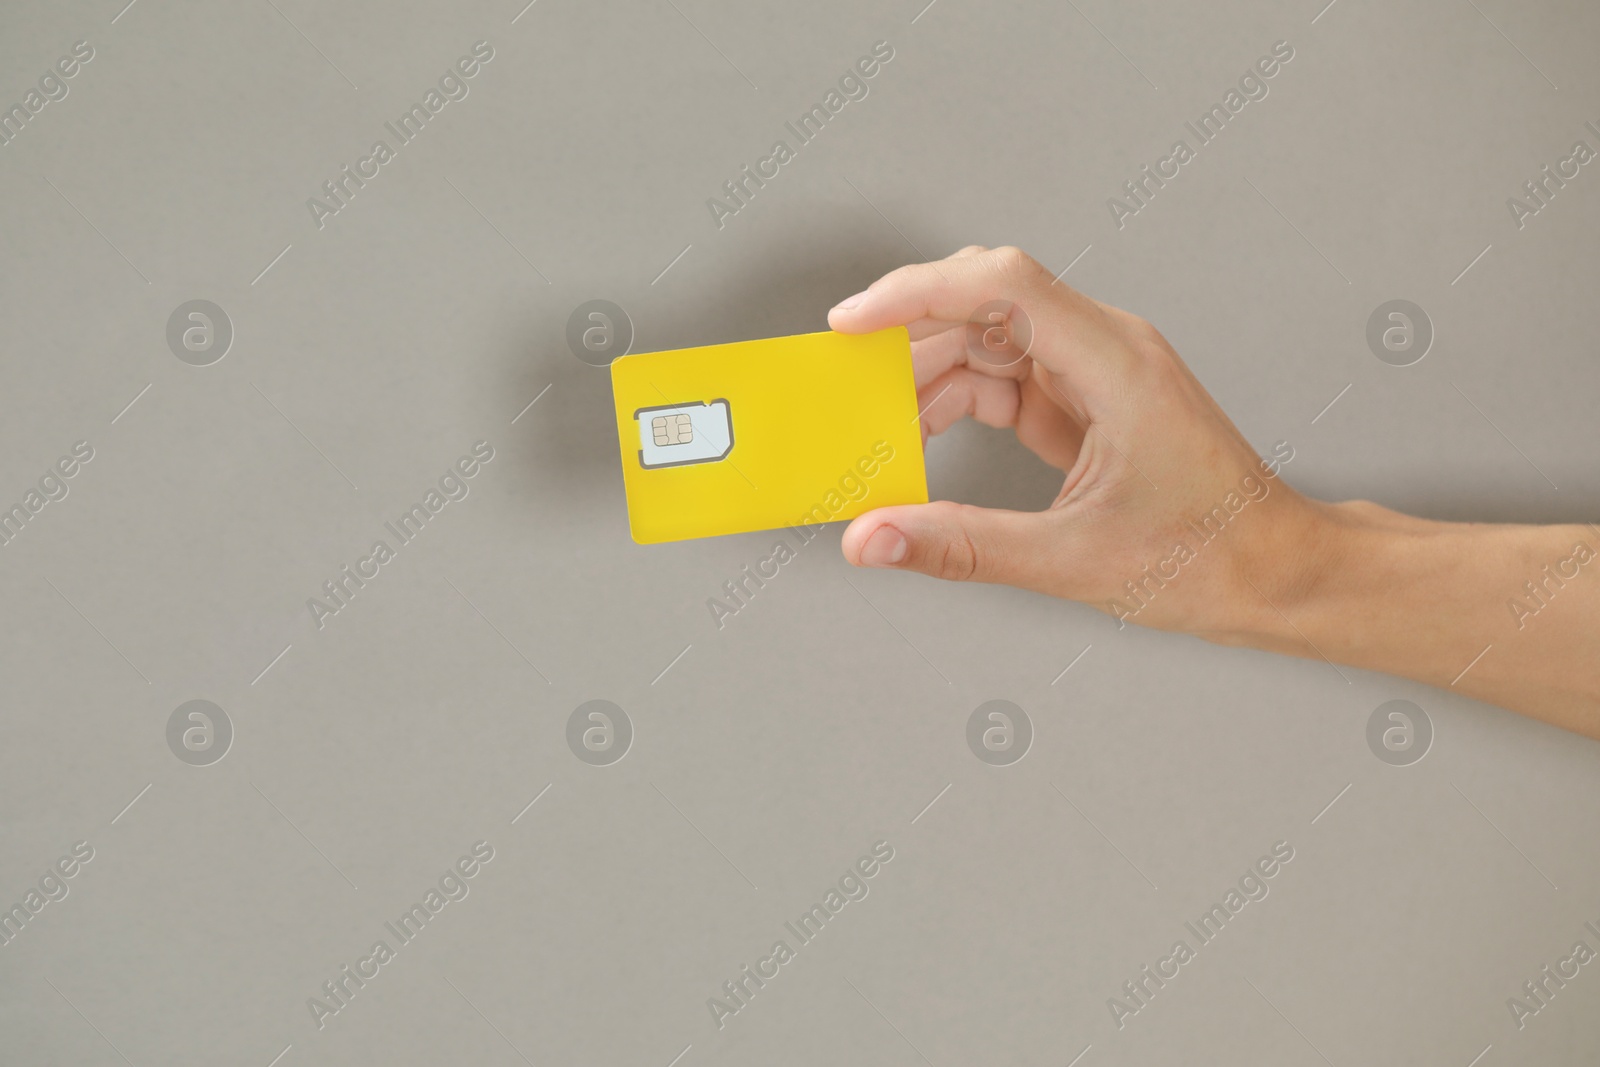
[{"x": 679, "y": 434}]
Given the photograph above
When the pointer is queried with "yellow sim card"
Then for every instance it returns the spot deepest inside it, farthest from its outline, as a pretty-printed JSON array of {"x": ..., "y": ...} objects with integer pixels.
[{"x": 763, "y": 434}]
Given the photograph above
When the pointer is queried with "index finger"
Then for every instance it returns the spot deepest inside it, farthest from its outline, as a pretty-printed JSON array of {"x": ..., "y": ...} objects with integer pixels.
[{"x": 1066, "y": 325}]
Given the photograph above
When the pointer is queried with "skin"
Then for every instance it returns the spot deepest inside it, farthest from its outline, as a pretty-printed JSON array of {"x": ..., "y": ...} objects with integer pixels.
[{"x": 1100, "y": 394}]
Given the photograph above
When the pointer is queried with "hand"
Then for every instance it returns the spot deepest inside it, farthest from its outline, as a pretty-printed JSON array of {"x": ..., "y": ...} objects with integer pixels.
[{"x": 1167, "y": 516}]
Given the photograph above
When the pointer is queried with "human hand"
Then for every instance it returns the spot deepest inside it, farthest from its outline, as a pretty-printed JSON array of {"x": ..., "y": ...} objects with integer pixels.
[{"x": 1166, "y": 516}]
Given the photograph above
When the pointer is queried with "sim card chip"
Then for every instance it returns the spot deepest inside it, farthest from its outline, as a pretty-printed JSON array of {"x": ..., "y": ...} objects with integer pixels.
[
  {"x": 672, "y": 430},
  {"x": 674, "y": 435}
]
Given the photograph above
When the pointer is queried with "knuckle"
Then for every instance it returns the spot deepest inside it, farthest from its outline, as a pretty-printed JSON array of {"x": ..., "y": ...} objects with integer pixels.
[
  {"x": 1015, "y": 265},
  {"x": 1140, "y": 330},
  {"x": 1150, "y": 351},
  {"x": 959, "y": 559}
]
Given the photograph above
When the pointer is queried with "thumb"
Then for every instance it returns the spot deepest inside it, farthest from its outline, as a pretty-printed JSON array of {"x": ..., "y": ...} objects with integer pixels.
[{"x": 958, "y": 542}]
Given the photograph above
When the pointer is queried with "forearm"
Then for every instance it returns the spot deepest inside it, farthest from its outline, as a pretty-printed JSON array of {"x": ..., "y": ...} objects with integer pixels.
[{"x": 1505, "y": 614}]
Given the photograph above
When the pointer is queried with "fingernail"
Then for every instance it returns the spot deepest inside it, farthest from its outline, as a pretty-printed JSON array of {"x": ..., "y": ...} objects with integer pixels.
[
  {"x": 850, "y": 302},
  {"x": 885, "y": 548}
]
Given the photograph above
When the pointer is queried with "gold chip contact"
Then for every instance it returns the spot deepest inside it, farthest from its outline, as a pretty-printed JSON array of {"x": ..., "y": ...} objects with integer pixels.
[{"x": 672, "y": 429}]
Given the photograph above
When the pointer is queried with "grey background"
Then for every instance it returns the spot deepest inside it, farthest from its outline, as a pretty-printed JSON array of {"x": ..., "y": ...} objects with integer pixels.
[{"x": 422, "y": 718}]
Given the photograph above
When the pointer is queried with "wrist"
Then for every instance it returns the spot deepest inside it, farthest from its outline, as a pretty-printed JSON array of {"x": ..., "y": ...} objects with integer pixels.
[
  {"x": 1337, "y": 572},
  {"x": 1294, "y": 566}
]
